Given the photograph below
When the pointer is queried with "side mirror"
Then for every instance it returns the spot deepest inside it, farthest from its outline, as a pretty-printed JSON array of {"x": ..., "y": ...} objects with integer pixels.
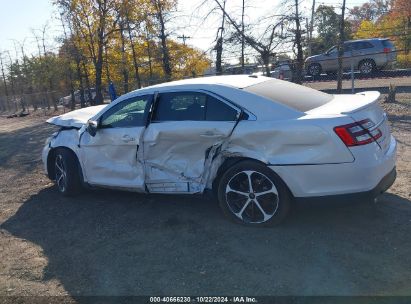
[
  {"x": 91, "y": 127},
  {"x": 327, "y": 54}
]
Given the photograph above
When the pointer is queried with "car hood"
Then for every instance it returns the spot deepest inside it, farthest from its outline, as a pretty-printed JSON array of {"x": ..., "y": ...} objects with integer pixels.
[{"x": 76, "y": 118}]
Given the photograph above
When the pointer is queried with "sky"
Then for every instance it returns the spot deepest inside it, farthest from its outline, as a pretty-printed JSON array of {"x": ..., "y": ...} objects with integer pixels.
[{"x": 19, "y": 18}]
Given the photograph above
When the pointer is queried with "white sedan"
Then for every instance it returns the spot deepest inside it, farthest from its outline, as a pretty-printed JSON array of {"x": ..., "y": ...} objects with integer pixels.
[{"x": 258, "y": 143}]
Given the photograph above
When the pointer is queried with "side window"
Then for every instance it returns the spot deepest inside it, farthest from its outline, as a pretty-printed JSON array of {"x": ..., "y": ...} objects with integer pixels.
[
  {"x": 180, "y": 106},
  {"x": 193, "y": 106},
  {"x": 361, "y": 45},
  {"x": 347, "y": 47},
  {"x": 126, "y": 114},
  {"x": 219, "y": 111},
  {"x": 332, "y": 50}
]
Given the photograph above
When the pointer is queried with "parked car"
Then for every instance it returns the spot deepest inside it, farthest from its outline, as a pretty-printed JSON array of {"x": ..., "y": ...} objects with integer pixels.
[
  {"x": 259, "y": 143},
  {"x": 66, "y": 101},
  {"x": 366, "y": 55},
  {"x": 281, "y": 71}
]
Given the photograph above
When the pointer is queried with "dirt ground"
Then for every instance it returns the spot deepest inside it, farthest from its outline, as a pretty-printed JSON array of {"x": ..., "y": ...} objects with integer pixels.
[{"x": 115, "y": 243}]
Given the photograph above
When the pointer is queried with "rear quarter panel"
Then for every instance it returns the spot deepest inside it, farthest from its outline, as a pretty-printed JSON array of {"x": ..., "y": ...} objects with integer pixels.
[{"x": 290, "y": 142}]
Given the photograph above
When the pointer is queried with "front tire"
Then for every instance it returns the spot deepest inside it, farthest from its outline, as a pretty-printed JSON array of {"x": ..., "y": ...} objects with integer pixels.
[
  {"x": 67, "y": 172},
  {"x": 252, "y": 194},
  {"x": 314, "y": 69}
]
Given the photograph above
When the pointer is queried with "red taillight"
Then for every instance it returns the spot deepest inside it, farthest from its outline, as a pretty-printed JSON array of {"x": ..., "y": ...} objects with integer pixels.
[
  {"x": 387, "y": 50},
  {"x": 358, "y": 133}
]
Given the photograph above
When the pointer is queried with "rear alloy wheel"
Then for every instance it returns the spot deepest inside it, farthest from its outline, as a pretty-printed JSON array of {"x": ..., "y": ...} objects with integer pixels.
[
  {"x": 67, "y": 174},
  {"x": 314, "y": 69},
  {"x": 252, "y": 194},
  {"x": 366, "y": 67}
]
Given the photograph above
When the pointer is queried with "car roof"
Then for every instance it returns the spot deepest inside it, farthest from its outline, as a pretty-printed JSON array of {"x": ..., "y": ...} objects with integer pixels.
[
  {"x": 367, "y": 39},
  {"x": 235, "y": 81},
  {"x": 231, "y": 88}
]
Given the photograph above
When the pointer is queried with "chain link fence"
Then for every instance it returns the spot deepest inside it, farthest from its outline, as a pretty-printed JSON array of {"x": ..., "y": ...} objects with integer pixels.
[{"x": 388, "y": 72}]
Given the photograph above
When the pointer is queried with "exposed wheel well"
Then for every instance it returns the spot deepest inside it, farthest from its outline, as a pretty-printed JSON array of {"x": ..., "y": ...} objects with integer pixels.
[{"x": 50, "y": 161}]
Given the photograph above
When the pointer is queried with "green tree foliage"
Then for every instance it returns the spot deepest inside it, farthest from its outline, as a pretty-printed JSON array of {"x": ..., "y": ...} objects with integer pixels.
[
  {"x": 326, "y": 23},
  {"x": 395, "y": 24}
]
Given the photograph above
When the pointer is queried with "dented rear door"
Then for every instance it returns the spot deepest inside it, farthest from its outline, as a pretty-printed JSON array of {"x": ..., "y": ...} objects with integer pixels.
[{"x": 185, "y": 132}]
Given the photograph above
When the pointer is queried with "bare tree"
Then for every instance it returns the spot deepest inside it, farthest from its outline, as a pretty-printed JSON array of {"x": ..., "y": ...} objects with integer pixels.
[
  {"x": 219, "y": 43},
  {"x": 264, "y": 45},
  {"x": 6, "y": 91},
  {"x": 163, "y": 37},
  {"x": 134, "y": 53}
]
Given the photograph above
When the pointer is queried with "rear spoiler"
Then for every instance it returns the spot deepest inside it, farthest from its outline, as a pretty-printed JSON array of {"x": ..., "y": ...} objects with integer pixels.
[{"x": 370, "y": 98}]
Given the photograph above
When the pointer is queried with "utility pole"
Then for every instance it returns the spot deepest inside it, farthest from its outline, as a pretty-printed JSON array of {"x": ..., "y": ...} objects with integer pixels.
[
  {"x": 340, "y": 50},
  {"x": 184, "y": 38}
]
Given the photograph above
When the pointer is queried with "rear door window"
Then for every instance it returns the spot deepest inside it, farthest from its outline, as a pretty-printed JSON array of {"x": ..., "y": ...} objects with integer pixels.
[
  {"x": 362, "y": 45},
  {"x": 219, "y": 111}
]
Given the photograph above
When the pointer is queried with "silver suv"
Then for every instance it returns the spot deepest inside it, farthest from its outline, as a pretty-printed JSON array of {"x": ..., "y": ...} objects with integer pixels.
[{"x": 367, "y": 55}]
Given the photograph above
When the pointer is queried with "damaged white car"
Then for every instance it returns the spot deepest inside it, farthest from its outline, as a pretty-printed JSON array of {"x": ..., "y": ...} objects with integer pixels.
[{"x": 259, "y": 143}]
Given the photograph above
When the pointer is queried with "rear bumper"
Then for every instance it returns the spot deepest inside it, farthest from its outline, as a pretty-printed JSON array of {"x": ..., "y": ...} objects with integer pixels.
[
  {"x": 382, "y": 186},
  {"x": 371, "y": 170}
]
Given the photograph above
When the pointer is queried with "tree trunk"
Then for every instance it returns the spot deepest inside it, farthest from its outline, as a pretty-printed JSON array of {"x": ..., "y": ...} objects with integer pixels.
[
  {"x": 265, "y": 56},
  {"x": 219, "y": 45},
  {"x": 219, "y": 51},
  {"x": 340, "y": 50},
  {"x": 133, "y": 50},
  {"x": 242, "y": 39},
  {"x": 7, "y": 103},
  {"x": 81, "y": 86},
  {"x": 164, "y": 47},
  {"x": 124, "y": 59},
  {"x": 87, "y": 79},
  {"x": 98, "y": 66},
  {"x": 300, "y": 56},
  {"x": 150, "y": 65}
]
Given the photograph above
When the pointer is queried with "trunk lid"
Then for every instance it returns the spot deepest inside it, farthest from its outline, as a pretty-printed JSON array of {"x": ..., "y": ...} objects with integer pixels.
[
  {"x": 359, "y": 107},
  {"x": 76, "y": 118}
]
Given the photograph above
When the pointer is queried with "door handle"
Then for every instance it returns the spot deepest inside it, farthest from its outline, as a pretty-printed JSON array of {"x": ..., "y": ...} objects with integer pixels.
[{"x": 127, "y": 138}]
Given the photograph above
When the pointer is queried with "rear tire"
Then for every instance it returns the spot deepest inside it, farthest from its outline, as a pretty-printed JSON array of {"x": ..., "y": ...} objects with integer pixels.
[
  {"x": 250, "y": 193},
  {"x": 67, "y": 172},
  {"x": 366, "y": 67}
]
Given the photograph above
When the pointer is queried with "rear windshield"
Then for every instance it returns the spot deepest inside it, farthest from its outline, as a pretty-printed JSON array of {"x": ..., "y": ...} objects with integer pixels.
[{"x": 290, "y": 94}]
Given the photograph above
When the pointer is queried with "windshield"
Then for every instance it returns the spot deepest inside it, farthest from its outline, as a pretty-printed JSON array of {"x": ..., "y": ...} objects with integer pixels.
[
  {"x": 290, "y": 94},
  {"x": 332, "y": 50}
]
